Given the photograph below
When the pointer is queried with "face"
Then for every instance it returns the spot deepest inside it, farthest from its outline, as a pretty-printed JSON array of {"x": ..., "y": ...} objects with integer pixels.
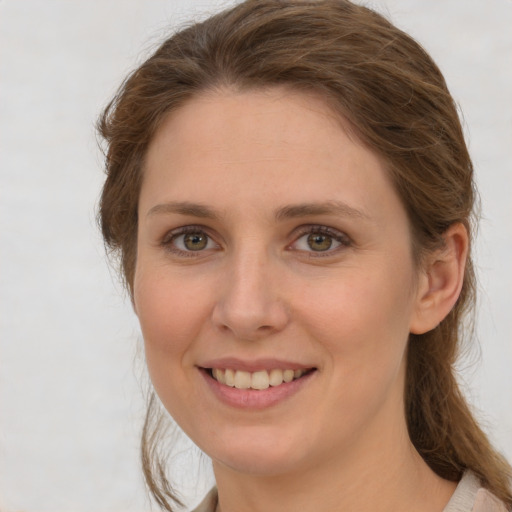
[{"x": 274, "y": 283}]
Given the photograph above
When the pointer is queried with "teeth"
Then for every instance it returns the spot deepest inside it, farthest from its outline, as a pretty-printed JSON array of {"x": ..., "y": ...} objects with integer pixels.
[
  {"x": 229, "y": 376},
  {"x": 276, "y": 377},
  {"x": 219, "y": 375},
  {"x": 242, "y": 380},
  {"x": 288, "y": 375},
  {"x": 262, "y": 379}
]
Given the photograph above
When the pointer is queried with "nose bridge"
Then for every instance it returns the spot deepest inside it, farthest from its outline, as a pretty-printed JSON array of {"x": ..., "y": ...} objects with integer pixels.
[{"x": 249, "y": 303}]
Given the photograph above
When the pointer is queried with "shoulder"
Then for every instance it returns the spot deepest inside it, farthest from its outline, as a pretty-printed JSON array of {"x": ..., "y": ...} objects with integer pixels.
[{"x": 470, "y": 496}]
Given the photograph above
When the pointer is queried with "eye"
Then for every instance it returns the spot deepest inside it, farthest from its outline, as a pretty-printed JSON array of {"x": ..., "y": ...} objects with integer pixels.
[
  {"x": 188, "y": 240},
  {"x": 320, "y": 239}
]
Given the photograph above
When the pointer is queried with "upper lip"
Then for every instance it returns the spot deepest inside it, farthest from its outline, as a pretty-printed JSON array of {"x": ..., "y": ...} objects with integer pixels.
[{"x": 254, "y": 365}]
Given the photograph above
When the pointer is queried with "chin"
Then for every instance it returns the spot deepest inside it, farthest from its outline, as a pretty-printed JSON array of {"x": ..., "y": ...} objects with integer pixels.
[
  {"x": 265, "y": 464},
  {"x": 263, "y": 454}
]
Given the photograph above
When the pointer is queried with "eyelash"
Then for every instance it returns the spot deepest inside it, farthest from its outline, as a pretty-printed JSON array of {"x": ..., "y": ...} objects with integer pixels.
[
  {"x": 341, "y": 238},
  {"x": 168, "y": 242}
]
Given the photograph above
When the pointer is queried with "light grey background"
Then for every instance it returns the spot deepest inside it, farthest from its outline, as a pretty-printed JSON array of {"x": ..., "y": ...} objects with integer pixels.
[{"x": 70, "y": 393}]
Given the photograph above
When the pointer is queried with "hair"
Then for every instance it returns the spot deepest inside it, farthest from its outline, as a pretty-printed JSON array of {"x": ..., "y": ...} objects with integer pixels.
[{"x": 396, "y": 102}]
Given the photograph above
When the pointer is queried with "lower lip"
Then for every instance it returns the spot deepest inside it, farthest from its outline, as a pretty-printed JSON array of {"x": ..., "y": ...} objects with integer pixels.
[{"x": 254, "y": 398}]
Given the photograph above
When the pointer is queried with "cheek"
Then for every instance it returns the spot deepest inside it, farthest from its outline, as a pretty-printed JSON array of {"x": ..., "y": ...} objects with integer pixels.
[
  {"x": 362, "y": 321},
  {"x": 362, "y": 301},
  {"x": 171, "y": 314}
]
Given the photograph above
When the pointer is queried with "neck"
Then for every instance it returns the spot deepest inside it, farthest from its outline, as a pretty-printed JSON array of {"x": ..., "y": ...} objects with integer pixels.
[{"x": 387, "y": 475}]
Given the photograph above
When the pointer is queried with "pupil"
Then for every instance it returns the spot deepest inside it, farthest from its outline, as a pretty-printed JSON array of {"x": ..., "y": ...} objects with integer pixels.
[
  {"x": 319, "y": 242},
  {"x": 195, "y": 241}
]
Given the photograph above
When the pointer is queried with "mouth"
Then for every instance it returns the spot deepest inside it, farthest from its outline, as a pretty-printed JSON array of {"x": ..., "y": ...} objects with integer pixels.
[{"x": 258, "y": 380}]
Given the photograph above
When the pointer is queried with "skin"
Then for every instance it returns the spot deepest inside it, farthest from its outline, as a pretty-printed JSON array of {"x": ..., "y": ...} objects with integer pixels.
[{"x": 259, "y": 290}]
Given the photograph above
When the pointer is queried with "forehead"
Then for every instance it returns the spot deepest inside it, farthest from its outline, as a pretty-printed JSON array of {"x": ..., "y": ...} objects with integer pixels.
[
  {"x": 259, "y": 115},
  {"x": 260, "y": 146}
]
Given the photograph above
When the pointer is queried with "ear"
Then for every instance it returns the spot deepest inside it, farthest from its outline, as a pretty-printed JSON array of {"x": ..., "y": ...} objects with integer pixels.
[{"x": 441, "y": 281}]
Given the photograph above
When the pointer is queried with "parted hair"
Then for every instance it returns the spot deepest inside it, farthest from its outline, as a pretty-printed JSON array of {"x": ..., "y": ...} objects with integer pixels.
[{"x": 396, "y": 102}]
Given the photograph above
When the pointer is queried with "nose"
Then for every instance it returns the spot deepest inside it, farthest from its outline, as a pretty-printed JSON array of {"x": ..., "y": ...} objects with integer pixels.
[{"x": 250, "y": 303}]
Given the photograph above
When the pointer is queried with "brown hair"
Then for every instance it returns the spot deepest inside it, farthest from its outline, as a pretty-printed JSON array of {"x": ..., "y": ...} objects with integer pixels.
[{"x": 396, "y": 101}]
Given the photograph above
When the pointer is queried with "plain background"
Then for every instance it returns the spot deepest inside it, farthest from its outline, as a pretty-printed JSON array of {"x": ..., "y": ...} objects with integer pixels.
[{"x": 70, "y": 387}]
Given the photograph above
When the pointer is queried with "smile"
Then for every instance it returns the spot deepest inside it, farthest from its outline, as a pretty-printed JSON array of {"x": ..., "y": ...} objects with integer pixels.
[{"x": 259, "y": 380}]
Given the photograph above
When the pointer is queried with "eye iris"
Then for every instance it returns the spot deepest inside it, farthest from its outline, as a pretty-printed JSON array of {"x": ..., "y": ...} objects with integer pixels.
[
  {"x": 319, "y": 242},
  {"x": 195, "y": 241}
]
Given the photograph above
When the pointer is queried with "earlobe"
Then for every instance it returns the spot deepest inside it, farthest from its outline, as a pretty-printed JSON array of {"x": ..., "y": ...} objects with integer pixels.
[{"x": 441, "y": 281}]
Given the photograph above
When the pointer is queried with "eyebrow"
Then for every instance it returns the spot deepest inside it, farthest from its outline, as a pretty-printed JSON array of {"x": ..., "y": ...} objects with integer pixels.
[
  {"x": 338, "y": 208},
  {"x": 184, "y": 208}
]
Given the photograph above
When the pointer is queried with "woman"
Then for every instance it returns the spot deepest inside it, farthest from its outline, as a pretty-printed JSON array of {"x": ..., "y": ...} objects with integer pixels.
[{"x": 291, "y": 198}]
